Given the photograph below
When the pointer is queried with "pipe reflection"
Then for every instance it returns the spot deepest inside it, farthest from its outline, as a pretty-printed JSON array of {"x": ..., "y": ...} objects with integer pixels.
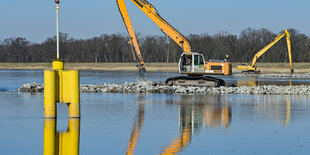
[{"x": 61, "y": 142}]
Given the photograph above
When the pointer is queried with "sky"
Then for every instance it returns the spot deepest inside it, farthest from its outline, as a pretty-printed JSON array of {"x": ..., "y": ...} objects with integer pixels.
[{"x": 81, "y": 19}]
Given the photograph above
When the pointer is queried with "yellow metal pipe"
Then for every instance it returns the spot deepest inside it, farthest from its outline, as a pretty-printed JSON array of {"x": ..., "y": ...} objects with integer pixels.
[
  {"x": 60, "y": 86},
  {"x": 49, "y": 94},
  {"x": 71, "y": 91},
  {"x": 49, "y": 137},
  {"x": 58, "y": 64}
]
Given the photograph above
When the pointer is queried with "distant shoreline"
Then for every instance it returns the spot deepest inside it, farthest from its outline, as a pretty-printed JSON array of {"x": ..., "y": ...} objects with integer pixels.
[{"x": 151, "y": 67}]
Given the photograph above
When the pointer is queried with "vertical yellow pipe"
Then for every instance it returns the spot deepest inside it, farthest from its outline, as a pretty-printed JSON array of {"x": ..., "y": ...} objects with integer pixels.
[
  {"x": 58, "y": 65},
  {"x": 71, "y": 91},
  {"x": 49, "y": 94},
  {"x": 49, "y": 137},
  {"x": 60, "y": 86}
]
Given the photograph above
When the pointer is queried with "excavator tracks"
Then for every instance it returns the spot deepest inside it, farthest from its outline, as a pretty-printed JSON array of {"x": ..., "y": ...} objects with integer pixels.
[
  {"x": 251, "y": 72},
  {"x": 203, "y": 81}
]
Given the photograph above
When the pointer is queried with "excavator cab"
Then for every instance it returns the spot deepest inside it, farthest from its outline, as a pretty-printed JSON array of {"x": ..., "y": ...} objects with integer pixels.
[{"x": 192, "y": 63}]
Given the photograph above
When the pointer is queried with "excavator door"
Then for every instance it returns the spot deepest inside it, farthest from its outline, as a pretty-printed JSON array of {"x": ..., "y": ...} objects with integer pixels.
[{"x": 192, "y": 64}]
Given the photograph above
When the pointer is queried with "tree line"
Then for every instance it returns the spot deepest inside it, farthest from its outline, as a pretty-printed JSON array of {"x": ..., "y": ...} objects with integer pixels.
[{"x": 155, "y": 48}]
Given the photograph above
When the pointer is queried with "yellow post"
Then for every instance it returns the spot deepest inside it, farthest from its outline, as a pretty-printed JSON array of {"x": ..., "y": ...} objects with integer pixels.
[
  {"x": 61, "y": 86},
  {"x": 58, "y": 64},
  {"x": 49, "y": 94},
  {"x": 71, "y": 91},
  {"x": 49, "y": 137}
]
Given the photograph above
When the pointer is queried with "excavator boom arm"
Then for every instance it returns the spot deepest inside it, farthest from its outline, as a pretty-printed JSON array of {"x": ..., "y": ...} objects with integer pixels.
[
  {"x": 266, "y": 48},
  {"x": 153, "y": 14}
]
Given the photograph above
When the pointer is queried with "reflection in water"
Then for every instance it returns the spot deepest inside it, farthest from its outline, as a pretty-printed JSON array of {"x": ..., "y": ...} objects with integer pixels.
[
  {"x": 256, "y": 81},
  {"x": 59, "y": 143},
  {"x": 195, "y": 112},
  {"x": 278, "y": 109},
  {"x": 136, "y": 128},
  {"x": 288, "y": 111},
  {"x": 218, "y": 116},
  {"x": 290, "y": 82},
  {"x": 185, "y": 133},
  {"x": 249, "y": 81},
  {"x": 192, "y": 111}
]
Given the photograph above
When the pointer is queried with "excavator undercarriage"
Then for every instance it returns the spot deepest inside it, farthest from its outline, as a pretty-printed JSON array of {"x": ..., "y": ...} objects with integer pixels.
[{"x": 203, "y": 81}]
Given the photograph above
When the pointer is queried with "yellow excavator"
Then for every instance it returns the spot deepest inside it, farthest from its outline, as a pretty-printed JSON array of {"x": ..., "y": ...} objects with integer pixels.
[
  {"x": 191, "y": 63},
  {"x": 252, "y": 68}
]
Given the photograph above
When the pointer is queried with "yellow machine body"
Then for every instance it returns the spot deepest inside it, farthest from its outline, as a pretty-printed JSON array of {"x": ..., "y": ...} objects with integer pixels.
[{"x": 218, "y": 68}]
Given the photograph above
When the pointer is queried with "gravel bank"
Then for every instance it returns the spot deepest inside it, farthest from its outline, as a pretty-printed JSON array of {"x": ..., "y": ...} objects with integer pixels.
[
  {"x": 159, "y": 87},
  {"x": 295, "y": 76}
]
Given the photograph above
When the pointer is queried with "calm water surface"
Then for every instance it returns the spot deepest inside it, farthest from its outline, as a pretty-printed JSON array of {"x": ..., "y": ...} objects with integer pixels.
[{"x": 151, "y": 123}]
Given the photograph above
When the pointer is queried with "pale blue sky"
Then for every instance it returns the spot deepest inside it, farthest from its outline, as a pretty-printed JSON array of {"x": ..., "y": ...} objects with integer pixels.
[{"x": 36, "y": 19}]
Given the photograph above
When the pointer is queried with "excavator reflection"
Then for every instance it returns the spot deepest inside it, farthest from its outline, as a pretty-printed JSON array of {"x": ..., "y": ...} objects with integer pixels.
[
  {"x": 278, "y": 109},
  {"x": 256, "y": 81},
  {"x": 193, "y": 116},
  {"x": 136, "y": 128},
  {"x": 249, "y": 81},
  {"x": 61, "y": 142},
  {"x": 219, "y": 116}
]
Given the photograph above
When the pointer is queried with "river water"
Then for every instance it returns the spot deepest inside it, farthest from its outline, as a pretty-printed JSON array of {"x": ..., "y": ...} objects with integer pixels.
[{"x": 152, "y": 123}]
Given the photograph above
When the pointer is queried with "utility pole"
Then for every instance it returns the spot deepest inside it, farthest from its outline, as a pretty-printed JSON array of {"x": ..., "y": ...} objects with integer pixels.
[{"x": 57, "y": 25}]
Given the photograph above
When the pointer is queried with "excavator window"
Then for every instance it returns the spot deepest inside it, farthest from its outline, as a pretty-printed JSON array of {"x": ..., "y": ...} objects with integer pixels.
[
  {"x": 198, "y": 61},
  {"x": 186, "y": 62}
]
